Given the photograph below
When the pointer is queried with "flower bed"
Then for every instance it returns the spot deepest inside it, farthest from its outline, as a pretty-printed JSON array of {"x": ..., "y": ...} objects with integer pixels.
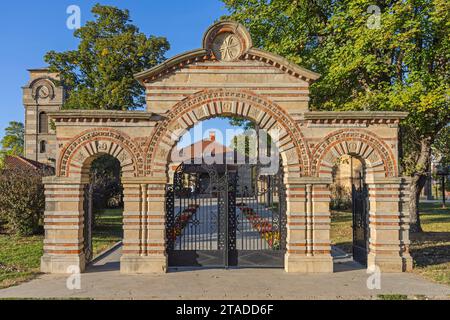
[
  {"x": 263, "y": 226},
  {"x": 182, "y": 221}
]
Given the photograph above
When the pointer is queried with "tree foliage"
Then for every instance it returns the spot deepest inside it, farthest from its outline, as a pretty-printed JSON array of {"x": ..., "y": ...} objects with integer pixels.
[
  {"x": 99, "y": 73},
  {"x": 400, "y": 63},
  {"x": 12, "y": 143},
  {"x": 441, "y": 147},
  {"x": 245, "y": 144},
  {"x": 105, "y": 176}
]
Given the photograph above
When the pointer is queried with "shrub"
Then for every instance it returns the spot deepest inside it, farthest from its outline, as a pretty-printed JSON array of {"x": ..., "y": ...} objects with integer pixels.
[
  {"x": 105, "y": 176},
  {"x": 341, "y": 197},
  {"x": 107, "y": 192},
  {"x": 22, "y": 200}
]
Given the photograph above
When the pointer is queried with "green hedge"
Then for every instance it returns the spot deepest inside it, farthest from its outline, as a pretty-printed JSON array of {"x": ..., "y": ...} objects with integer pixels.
[{"x": 22, "y": 201}]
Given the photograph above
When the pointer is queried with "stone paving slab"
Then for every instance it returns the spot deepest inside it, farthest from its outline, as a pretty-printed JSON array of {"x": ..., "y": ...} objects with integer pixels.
[{"x": 103, "y": 281}]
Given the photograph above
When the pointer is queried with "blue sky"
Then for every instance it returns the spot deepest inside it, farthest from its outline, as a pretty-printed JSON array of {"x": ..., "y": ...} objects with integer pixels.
[{"x": 29, "y": 29}]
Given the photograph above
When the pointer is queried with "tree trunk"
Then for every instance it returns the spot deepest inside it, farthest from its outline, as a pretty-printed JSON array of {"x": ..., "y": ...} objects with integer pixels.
[
  {"x": 416, "y": 188},
  {"x": 419, "y": 179}
]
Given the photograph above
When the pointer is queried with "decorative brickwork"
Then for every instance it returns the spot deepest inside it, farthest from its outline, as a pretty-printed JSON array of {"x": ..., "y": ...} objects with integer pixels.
[
  {"x": 208, "y": 104},
  {"x": 361, "y": 143},
  {"x": 91, "y": 143}
]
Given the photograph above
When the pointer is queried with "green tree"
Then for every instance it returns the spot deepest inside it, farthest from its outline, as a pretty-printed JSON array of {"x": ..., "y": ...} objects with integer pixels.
[
  {"x": 245, "y": 144},
  {"x": 441, "y": 153},
  {"x": 241, "y": 122},
  {"x": 441, "y": 147},
  {"x": 394, "y": 60},
  {"x": 13, "y": 141},
  {"x": 99, "y": 74}
]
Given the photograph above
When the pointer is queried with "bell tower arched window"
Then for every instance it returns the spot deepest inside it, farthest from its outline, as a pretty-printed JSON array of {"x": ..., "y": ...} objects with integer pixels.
[
  {"x": 43, "y": 122},
  {"x": 43, "y": 146}
]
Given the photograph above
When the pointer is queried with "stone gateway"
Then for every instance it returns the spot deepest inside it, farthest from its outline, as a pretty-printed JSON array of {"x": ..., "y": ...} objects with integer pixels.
[{"x": 227, "y": 76}]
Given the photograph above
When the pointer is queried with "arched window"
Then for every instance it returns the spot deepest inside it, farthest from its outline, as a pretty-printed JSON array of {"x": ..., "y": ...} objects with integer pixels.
[
  {"x": 43, "y": 146},
  {"x": 43, "y": 122}
]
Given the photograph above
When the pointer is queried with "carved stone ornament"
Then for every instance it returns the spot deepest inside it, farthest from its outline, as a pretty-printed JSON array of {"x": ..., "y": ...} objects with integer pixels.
[
  {"x": 227, "y": 41},
  {"x": 43, "y": 92},
  {"x": 43, "y": 89},
  {"x": 227, "y": 47}
]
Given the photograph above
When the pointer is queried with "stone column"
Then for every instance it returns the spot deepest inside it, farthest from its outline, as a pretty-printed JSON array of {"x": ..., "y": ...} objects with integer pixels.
[
  {"x": 308, "y": 227},
  {"x": 144, "y": 226},
  {"x": 389, "y": 224},
  {"x": 64, "y": 224}
]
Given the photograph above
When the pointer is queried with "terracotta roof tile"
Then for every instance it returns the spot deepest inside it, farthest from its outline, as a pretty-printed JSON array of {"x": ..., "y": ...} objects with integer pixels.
[{"x": 18, "y": 162}]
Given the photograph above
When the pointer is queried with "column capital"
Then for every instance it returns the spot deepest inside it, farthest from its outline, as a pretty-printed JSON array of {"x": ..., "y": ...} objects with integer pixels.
[
  {"x": 144, "y": 180},
  {"x": 388, "y": 180},
  {"x": 64, "y": 180},
  {"x": 309, "y": 180}
]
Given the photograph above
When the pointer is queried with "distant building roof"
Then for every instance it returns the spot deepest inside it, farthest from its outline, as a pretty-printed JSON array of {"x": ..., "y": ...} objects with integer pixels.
[
  {"x": 201, "y": 149},
  {"x": 17, "y": 162}
]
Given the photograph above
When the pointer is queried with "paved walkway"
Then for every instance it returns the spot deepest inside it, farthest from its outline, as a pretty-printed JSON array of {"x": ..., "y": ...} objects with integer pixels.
[
  {"x": 202, "y": 231},
  {"x": 103, "y": 281}
]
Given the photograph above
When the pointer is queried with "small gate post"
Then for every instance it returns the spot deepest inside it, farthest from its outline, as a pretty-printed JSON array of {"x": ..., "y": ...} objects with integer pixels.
[
  {"x": 64, "y": 224},
  {"x": 389, "y": 224},
  {"x": 308, "y": 227},
  {"x": 144, "y": 226}
]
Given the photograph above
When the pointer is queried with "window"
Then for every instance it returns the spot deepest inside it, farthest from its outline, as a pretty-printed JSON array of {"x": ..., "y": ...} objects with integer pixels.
[
  {"x": 43, "y": 123},
  {"x": 43, "y": 147}
]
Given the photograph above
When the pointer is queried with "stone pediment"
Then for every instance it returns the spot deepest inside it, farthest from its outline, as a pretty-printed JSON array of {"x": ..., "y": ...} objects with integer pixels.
[{"x": 226, "y": 42}]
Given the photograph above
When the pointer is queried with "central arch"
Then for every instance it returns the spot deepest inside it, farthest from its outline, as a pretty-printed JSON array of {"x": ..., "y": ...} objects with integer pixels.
[{"x": 211, "y": 103}]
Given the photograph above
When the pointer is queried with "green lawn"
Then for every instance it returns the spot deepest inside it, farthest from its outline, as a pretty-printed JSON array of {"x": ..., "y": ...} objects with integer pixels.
[
  {"x": 20, "y": 256},
  {"x": 341, "y": 230},
  {"x": 430, "y": 249},
  {"x": 19, "y": 259},
  {"x": 108, "y": 230}
]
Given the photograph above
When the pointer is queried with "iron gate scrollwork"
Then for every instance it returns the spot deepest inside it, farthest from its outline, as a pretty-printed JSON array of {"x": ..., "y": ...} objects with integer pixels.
[
  {"x": 225, "y": 216},
  {"x": 261, "y": 219},
  {"x": 88, "y": 219},
  {"x": 360, "y": 209}
]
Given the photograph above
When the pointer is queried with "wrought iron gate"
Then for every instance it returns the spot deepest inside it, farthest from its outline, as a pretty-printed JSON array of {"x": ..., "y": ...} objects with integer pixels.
[
  {"x": 360, "y": 221},
  {"x": 225, "y": 216},
  {"x": 88, "y": 218}
]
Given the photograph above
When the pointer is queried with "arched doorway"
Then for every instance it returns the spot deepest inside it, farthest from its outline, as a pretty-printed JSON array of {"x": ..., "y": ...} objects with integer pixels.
[
  {"x": 103, "y": 207},
  {"x": 224, "y": 207},
  {"x": 350, "y": 209},
  {"x": 373, "y": 193}
]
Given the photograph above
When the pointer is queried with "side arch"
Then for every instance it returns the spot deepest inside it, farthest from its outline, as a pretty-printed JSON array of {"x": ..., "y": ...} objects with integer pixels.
[
  {"x": 379, "y": 159},
  {"x": 76, "y": 157},
  {"x": 210, "y": 103}
]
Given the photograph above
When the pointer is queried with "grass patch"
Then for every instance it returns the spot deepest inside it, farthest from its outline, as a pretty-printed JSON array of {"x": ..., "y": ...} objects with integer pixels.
[
  {"x": 341, "y": 230},
  {"x": 108, "y": 229},
  {"x": 431, "y": 248},
  {"x": 20, "y": 256}
]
